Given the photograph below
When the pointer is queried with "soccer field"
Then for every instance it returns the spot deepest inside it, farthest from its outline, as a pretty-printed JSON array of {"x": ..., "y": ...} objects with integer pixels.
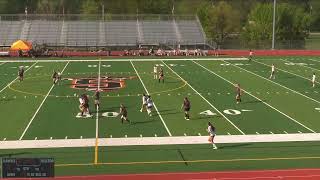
[
  {"x": 282, "y": 109},
  {"x": 37, "y": 109}
]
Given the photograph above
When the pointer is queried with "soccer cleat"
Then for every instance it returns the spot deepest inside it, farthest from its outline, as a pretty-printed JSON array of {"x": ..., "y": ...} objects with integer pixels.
[{"x": 215, "y": 148}]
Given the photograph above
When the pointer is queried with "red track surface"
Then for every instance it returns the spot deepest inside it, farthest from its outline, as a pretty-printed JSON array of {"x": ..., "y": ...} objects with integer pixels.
[{"x": 290, "y": 174}]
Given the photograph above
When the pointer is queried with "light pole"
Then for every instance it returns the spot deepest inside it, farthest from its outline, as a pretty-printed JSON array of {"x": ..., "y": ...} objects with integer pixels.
[{"x": 274, "y": 23}]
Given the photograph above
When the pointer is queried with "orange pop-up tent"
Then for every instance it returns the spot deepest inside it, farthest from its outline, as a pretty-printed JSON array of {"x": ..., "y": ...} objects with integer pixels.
[{"x": 20, "y": 44}]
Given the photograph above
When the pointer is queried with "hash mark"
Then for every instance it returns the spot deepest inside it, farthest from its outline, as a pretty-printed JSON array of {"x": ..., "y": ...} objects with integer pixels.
[
  {"x": 228, "y": 133},
  {"x": 285, "y": 132},
  {"x": 271, "y": 132},
  {"x": 4, "y": 139},
  {"x": 35, "y": 138},
  {"x": 185, "y": 134},
  {"x": 66, "y": 137},
  {"x": 257, "y": 133},
  {"x": 199, "y": 134},
  {"x": 299, "y": 131},
  {"x": 50, "y": 137},
  {"x": 155, "y": 135},
  {"x": 80, "y": 137},
  {"x": 125, "y": 136},
  {"x": 141, "y": 135},
  {"x": 110, "y": 136}
]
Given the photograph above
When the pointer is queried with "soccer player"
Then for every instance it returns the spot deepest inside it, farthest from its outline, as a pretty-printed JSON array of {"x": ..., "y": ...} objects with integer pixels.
[
  {"x": 123, "y": 113},
  {"x": 97, "y": 99},
  {"x": 238, "y": 93},
  {"x": 144, "y": 102},
  {"x": 212, "y": 133},
  {"x": 313, "y": 79},
  {"x": 59, "y": 75},
  {"x": 21, "y": 73},
  {"x": 250, "y": 55},
  {"x": 161, "y": 75},
  {"x": 272, "y": 75},
  {"x": 85, "y": 105},
  {"x": 149, "y": 106},
  {"x": 155, "y": 72},
  {"x": 186, "y": 106},
  {"x": 54, "y": 77}
]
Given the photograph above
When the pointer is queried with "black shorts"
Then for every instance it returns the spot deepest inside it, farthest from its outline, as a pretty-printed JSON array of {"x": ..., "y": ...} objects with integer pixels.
[{"x": 187, "y": 109}]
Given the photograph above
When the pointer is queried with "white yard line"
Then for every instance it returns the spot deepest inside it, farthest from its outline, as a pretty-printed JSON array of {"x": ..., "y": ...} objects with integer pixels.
[
  {"x": 205, "y": 99},
  {"x": 302, "y": 66},
  {"x": 17, "y": 77},
  {"x": 287, "y": 71},
  {"x": 154, "y": 103},
  {"x": 34, "y": 115},
  {"x": 127, "y": 60},
  {"x": 255, "y": 96},
  {"x": 2, "y": 63},
  {"x": 134, "y": 141},
  {"x": 281, "y": 84}
]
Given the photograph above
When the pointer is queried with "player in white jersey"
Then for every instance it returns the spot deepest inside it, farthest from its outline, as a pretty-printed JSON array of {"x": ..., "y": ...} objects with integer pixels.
[
  {"x": 211, "y": 130},
  {"x": 272, "y": 75},
  {"x": 144, "y": 102},
  {"x": 155, "y": 72},
  {"x": 149, "y": 106},
  {"x": 313, "y": 79}
]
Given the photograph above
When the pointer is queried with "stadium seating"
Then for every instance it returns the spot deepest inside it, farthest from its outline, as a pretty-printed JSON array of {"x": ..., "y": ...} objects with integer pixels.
[{"x": 102, "y": 33}]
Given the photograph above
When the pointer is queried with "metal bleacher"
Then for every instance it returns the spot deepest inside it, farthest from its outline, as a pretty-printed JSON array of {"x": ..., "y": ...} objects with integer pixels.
[{"x": 86, "y": 33}]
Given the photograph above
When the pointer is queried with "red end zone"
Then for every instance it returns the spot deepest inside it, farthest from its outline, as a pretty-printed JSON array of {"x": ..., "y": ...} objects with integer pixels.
[{"x": 290, "y": 174}]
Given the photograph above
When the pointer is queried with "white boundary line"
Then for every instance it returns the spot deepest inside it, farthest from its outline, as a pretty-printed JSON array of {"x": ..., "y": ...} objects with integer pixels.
[
  {"x": 281, "y": 84},
  {"x": 300, "y": 66},
  {"x": 125, "y": 60},
  {"x": 205, "y": 99},
  {"x": 17, "y": 78},
  {"x": 172, "y": 140},
  {"x": 154, "y": 103},
  {"x": 255, "y": 96},
  {"x": 2, "y": 63},
  {"x": 34, "y": 115}
]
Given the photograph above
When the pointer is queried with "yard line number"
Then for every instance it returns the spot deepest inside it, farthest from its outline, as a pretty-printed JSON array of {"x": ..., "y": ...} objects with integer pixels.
[{"x": 232, "y": 112}]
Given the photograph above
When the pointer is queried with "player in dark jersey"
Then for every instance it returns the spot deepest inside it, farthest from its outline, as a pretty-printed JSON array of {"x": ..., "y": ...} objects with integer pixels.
[
  {"x": 55, "y": 77},
  {"x": 186, "y": 106},
  {"x": 238, "y": 93},
  {"x": 161, "y": 75},
  {"x": 85, "y": 104},
  {"x": 21, "y": 73},
  {"x": 123, "y": 113},
  {"x": 97, "y": 99}
]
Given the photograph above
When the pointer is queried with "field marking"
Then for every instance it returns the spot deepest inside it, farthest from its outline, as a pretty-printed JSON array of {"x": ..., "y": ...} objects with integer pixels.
[
  {"x": 205, "y": 100},
  {"x": 154, "y": 103},
  {"x": 125, "y": 60},
  {"x": 97, "y": 119},
  {"x": 255, "y": 96},
  {"x": 195, "y": 161},
  {"x": 281, "y": 84},
  {"x": 17, "y": 78},
  {"x": 156, "y": 141},
  {"x": 2, "y": 63},
  {"x": 34, "y": 115},
  {"x": 301, "y": 65}
]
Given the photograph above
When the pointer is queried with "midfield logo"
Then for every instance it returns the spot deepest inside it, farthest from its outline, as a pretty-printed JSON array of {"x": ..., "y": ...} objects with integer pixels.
[{"x": 106, "y": 83}]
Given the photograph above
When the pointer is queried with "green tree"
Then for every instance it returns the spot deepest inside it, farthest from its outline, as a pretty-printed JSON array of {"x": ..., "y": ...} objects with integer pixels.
[
  {"x": 292, "y": 24},
  {"x": 219, "y": 21}
]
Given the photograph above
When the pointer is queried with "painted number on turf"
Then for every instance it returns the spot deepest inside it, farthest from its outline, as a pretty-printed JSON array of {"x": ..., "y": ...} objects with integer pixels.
[
  {"x": 297, "y": 64},
  {"x": 208, "y": 113},
  {"x": 173, "y": 65},
  {"x": 92, "y": 66},
  {"x": 232, "y": 112},
  {"x": 317, "y": 109},
  {"x": 159, "y": 65},
  {"x": 106, "y": 65},
  {"x": 110, "y": 114},
  {"x": 236, "y": 64}
]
